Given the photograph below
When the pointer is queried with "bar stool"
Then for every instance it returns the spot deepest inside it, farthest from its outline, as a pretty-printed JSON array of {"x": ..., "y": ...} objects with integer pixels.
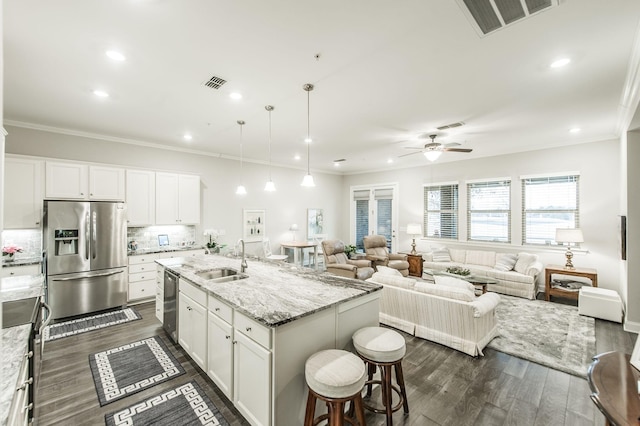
[
  {"x": 335, "y": 377},
  {"x": 383, "y": 348}
]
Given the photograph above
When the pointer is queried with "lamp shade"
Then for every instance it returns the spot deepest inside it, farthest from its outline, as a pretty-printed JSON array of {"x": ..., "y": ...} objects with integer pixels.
[
  {"x": 414, "y": 229},
  {"x": 567, "y": 235},
  {"x": 432, "y": 155},
  {"x": 293, "y": 227}
]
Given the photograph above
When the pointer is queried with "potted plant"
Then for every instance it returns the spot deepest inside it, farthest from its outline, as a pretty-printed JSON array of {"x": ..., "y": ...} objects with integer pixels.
[
  {"x": 212, "y": 244},
  {"x": 10, "y": 250},
  {"x": 349, "y": 250},
  {"x": 458, "y": 271}
]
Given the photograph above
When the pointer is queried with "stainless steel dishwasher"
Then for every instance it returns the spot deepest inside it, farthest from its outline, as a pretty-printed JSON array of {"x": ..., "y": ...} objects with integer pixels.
[{"x": 170, "y": 319}]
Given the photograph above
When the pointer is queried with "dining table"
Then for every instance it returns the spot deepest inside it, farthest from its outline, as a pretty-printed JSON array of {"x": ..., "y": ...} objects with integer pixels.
[{"x": 298, "y": 248}]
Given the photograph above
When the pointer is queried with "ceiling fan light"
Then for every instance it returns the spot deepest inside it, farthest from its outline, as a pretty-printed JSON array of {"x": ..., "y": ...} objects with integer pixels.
[
  {"x": 432, "y": 155},
  {"x": 308, "y": 181},
  {"x": 270, "y": 186}
]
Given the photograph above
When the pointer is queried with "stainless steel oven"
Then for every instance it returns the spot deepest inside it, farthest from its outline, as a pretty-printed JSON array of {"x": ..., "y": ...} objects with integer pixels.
[{"x": 170, "y": 319}]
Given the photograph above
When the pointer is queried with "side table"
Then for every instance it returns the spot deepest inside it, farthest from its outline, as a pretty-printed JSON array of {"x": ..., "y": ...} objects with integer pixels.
[
  {"x": 415, "y": 264},
  {"x": 549, "y": 291}
]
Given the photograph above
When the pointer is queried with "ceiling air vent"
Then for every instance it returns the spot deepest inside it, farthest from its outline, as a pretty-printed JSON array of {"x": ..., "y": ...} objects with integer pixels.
[
  {"x": 215, "y": 82},
  {"x": 490, "y": 15},
  {"x": 451, "y": 126}
]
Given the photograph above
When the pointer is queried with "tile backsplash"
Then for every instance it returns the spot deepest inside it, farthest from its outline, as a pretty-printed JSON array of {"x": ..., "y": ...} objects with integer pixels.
[
  {"x": 147, "y": 237},
  {"x": 30, "y": 240}
]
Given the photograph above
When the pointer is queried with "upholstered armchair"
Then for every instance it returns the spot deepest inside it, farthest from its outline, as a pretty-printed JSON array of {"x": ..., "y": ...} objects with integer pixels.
[
  {"x": 337, "y": 262},
  {"x": 375, "y": 248}
]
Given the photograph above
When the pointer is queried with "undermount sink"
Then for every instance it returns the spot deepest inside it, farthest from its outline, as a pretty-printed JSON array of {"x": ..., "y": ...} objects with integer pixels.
[{"x": 221, "y": 275}]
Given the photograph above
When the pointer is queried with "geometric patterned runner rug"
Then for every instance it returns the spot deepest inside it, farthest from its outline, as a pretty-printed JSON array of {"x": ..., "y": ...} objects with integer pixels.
[
  {"x": 94, "y": 322},
  {"x": 184, "y": 405},
  {"x": 131, "y": 368},
  {"x": 550, "y": 334}
]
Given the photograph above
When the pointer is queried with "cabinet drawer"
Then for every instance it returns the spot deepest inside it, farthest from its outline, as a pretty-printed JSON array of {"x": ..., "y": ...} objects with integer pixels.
[
  {"x": 145, "y": 258},
  {"x": 221, "y": 309},
  {"x": 143, "y": 276},
  {"x": 198, "y": 295},
  {"x": 136, "y": 268},
  {"x": 142, "y": 289},
  {"x": 15, "y": 271},
  {"x": 253, "y": 329}
]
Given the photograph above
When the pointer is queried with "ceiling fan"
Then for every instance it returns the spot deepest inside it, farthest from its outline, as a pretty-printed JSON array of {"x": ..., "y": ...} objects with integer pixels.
[{"x": 433, "y": 149}]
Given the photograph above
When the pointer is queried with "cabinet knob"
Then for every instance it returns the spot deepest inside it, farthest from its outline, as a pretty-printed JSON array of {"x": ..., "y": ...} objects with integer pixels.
[
  {"x": 216, "y": 309},
  {"x": 28, "y": 354},
  {"x": 189, "y": 308},
  {"x": 227, "y": 337},
  {"x": 248, "y": 328},
  {"x": 28, "y": 407},
  {"x": 234, "y": 341},
  {"x": 23, "y": 386}
]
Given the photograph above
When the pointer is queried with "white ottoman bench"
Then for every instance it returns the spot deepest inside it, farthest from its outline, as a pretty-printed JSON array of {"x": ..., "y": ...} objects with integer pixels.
[{"x": 600, "y": 303}]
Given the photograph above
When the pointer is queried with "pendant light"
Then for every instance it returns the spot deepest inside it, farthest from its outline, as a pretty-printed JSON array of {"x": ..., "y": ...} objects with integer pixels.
[
  {"x": 308, "y": 179},
  {"x": 270, "y": 186},
  {"x": 241, "y": 189}
]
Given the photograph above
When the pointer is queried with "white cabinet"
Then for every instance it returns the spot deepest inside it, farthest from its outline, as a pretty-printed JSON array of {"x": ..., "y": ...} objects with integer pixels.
[
  {"x": 180, "y": 253},
  {"x": 192, "y": 322},
  {"x": 141, "y": 197},
  {"x": 142, "y": 277},
  {"x": 23, "y": 193},
  {"x": 220, "y": 354},
  {"x": 78, "y": 181},
  {"x": 177, "y": 199},
  {"x": 16, "y": 271},
  {"x": 160, "y": 293}
]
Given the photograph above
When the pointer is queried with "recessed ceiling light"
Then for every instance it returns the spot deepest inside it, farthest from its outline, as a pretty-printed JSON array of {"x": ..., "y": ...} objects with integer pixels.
[
  {"x": 187, "y": 137},
  {"x": 101, "y": 93},
  {"x": 115, "y": 55},
  {"x": 390, "y": 160},
  {"x": 560, "y": 63},
  {"x": 308, "y": 140},
  {"x": 575, "y": 130},
  {"x": 296, "y": 157},
  {"x": 335, "y": 164},
  {"x": 235, "y": 95}
]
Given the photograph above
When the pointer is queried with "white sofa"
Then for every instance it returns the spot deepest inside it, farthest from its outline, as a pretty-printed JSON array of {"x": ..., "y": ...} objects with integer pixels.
[
  {"x": 450, "y": 315},
  {"x": 517, "y": 274}
]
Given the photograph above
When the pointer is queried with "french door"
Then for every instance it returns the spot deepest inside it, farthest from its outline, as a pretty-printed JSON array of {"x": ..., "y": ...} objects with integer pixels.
[{"x": 374, "y": 212}]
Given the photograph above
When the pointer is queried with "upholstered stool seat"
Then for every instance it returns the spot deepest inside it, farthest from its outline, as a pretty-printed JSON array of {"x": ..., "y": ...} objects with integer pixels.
[
  {"x": 383, "y": 348},
  {"x": 336, "y": 377}
]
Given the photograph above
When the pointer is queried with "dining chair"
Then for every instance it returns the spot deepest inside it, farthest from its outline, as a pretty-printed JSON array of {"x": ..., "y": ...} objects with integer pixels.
[{"x": 266, "y": 247}]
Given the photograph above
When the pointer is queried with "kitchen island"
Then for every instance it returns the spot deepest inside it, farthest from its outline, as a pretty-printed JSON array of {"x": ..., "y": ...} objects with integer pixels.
[{"x": 252, "y": 336}]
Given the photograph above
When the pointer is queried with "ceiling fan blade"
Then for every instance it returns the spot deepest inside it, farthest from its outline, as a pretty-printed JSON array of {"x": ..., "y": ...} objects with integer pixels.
[
  {"x": 457, "y": 149},
  {"x": 412, "y": 147},
  {"x": 411, "y": 153},
  {"x": 447, "y": 145}
]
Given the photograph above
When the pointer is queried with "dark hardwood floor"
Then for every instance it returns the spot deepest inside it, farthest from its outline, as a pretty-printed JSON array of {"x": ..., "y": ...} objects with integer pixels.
[{"x": 444, "y": 386}]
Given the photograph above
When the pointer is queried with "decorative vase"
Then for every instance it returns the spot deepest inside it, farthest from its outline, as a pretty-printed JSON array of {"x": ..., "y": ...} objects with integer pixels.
[{"x": 10, "y": 257}]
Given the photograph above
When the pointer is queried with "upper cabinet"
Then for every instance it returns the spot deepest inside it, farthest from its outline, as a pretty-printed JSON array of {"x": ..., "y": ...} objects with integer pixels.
[
  {"x": 177, "y": 199},
  {"x": 23, "y": 190},
  {"x": 141, "y": 197},
  {"x": 77, "y": 181}
]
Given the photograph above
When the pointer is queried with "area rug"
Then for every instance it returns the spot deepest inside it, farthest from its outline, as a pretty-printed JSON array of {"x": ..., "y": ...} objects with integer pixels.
[
  {"x": 184, "y": 405},
  {"x": 131, "y": 368},
  {"x": 94, "y": 322},
  {"x": 546, "y": 333}
]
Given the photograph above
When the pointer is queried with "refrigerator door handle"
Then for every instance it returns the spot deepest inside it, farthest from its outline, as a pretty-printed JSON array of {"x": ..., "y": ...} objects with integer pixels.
[
  {"x": 106, "y": 274},
  {"x": 94, "y": 224},
  {"x": 86, "y": 237}
]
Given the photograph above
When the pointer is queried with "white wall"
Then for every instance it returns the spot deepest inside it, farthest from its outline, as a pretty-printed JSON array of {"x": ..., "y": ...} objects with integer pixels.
[
  {"x": 598, "y": 164},
  {"x": 221, "y": 207},
  {"x": 632, "y": 267}
]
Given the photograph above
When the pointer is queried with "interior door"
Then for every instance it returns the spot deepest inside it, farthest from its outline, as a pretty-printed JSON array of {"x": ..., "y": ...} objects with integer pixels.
[{"x": 374, "y": 212}]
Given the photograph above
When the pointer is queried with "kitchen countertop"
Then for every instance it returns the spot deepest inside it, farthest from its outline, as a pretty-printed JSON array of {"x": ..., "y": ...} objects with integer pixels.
[
  {"x": 15, "y": 340},
  {"x": 22, "y": 262},
  {"x": 274, "y": 293},
  {"x": 162, "y": 250}
]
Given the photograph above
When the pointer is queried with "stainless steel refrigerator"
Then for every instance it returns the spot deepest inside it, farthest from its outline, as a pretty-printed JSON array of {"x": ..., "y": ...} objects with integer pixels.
[{"x": 86, "y": 256}]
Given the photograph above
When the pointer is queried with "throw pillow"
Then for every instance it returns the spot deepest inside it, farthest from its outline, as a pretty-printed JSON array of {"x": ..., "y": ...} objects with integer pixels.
[
  {"x": 441, "y": 255},
  {"x": 524, "y": 260},
  {"x": 445, "y": 291},
  {"x": 385, "y": 270},
  {"x": 506, "y": 262},
  {"x": 454, "y": 282}
]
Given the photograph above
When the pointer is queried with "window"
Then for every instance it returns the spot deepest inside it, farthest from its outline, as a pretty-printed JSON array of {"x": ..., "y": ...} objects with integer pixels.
[
  {"x": 361, "y": 199},
  {"x": 489, "y": 213},
  {"x": 441, "y": 211},
  {"x": 548, "y": 202}
]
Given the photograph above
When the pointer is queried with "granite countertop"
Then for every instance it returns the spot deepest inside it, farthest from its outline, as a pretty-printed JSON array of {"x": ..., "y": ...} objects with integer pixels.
[
  {"x": 15, "y": 340},
  {"x": 21, "y": 261},
  {"x": 274, "y": 293},
  {"x": 162, "y": 250}
]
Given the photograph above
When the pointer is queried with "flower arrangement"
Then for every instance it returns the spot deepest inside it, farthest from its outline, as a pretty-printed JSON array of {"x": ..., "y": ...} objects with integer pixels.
[
  {"x": 213, "y": 243},
  {"x": 458, "y": 271},
  {"x": 348, "y": 249},
  {"x": 10, "y": 250}
]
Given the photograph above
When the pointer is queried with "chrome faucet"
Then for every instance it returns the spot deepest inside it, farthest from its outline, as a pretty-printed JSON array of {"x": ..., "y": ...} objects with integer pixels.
[{"x": 243, "y": 264}]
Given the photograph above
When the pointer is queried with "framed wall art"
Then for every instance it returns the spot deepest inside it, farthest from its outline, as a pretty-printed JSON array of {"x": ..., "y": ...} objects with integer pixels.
[
  {"x": 315, "y": 223},
  {"x": 253, "y": 225}
]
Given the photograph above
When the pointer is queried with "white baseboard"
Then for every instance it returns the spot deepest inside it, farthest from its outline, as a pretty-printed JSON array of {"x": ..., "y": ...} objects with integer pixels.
[{"x": 632, "y": 326}]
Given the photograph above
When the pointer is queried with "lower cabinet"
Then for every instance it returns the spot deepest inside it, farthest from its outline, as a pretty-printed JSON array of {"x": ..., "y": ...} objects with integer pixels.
[
  {"x": 16, "y": 271},
  {"x": 142, "y": 277},
  {"x": 252, "y": 380},
  {"x": 220, "y": 355},
  {"x": 192, "y": 322},
  {"x": 160, "y": 293}
]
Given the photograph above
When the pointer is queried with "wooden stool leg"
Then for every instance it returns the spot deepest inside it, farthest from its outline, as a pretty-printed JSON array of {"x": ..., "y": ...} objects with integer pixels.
[
  {"x": 359, "y": 407},
  {"x": 371, "y": 369},
  {"x": 336, "y": 413},
  {"x": 311, "y": 409},
  {"x": 400, "y": 381},
  {"x": 387, "y": 393}
]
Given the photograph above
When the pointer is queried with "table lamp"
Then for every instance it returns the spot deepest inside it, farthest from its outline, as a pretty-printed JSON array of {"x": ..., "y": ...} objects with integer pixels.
[
  {"x": 414, "y": 229},
  {"x": 294, "y": 228},
  {"x": 569, "y": 236}
]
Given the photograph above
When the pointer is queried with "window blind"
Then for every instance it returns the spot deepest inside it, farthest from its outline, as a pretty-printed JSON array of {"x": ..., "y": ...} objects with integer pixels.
[
  {"x": 362, "y": 221},
  {"x": 489, "y": 211},
  {"x": 548, "y": 203},
  {"x": 441, "y": 211}
]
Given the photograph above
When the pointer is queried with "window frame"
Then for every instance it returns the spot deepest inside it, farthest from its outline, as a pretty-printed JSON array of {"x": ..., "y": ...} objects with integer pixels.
[
  {"x": 455, "y": 186},
  {"x": 497, "y": 182}
]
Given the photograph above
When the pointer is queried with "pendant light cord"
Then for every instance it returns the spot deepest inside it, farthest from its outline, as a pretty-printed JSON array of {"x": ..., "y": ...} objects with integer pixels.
[
  {"x": 270, "y": 109},
  {"x": 241, "y": 123}
]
